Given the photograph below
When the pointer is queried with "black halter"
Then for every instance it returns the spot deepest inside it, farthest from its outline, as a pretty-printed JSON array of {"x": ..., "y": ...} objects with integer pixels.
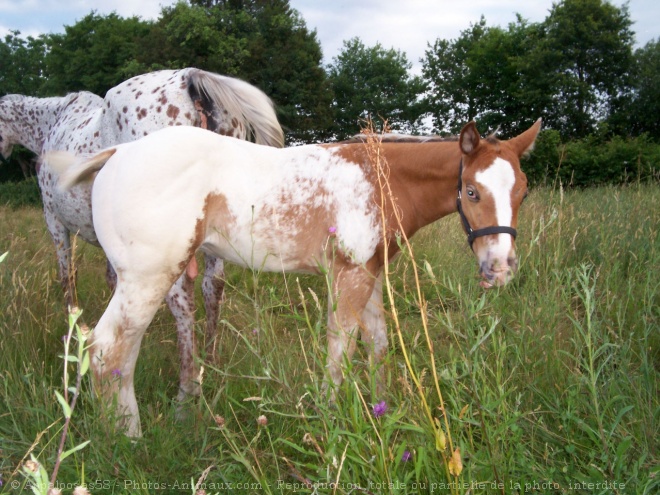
[{"x": 473, "y": 234}]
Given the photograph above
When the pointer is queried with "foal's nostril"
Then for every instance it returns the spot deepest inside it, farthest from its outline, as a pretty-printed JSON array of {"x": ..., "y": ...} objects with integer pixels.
[{"x": 513, "y": 264}]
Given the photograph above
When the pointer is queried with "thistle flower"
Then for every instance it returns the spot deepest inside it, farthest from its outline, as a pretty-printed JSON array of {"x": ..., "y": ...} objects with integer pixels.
[
  {"x": 332, "y": 229},
  {"x": 406, "y": 456},
  {"x": 116, "y": 373},
  {"x": 380, "y": 409},
  {"x": 262, "y": 420}
]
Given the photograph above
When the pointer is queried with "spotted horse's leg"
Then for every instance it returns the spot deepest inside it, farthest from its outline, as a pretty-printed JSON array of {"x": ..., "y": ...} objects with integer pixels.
[
  {"x": 62, "y": 240},
  {"x": 181, "y": 301},
  {"x": 213, "y": 287}
]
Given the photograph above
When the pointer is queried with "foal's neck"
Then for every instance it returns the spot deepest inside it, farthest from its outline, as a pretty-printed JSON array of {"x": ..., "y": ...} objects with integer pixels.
[{"x": 424, "y": 178}]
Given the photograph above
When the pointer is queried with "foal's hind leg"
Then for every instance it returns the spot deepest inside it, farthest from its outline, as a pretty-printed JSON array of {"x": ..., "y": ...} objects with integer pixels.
[
  {"x": 116, "y": 342},
  {"x": 213, "y": 287}
]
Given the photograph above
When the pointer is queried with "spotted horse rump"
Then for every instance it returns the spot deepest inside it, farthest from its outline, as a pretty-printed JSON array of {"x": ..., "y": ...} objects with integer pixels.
[
  {"x": 315, "y": 209},
  {"x": 84, "y": 123}
]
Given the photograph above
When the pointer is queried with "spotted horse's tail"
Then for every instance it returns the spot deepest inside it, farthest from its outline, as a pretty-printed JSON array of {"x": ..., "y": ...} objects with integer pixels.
[{"x": 249, "y": 108}]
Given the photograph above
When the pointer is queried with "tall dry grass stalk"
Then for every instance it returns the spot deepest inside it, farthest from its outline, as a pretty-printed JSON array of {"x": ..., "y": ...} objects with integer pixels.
[{"x": 451, "y": 458}]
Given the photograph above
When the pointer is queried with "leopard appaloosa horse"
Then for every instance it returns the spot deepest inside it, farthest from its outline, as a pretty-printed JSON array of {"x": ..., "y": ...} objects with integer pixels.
[{"x": 84, "y": 123}]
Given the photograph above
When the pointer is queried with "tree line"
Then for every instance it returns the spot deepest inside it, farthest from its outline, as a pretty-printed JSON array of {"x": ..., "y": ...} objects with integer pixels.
[{"x": 578, "y": 69}]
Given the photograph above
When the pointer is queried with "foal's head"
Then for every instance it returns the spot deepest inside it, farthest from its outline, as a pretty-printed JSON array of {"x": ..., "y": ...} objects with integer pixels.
[{"x": 492, "y": 188}]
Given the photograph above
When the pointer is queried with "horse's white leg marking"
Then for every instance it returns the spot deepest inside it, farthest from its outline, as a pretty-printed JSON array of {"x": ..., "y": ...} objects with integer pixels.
[
  {"x": 117, "y": 337},
  {"x": 352, "y": 286},
  {"x": 374, "y": 332},
  {"x": 213, "y": 287},
  {"x": 181, "y": 301}
]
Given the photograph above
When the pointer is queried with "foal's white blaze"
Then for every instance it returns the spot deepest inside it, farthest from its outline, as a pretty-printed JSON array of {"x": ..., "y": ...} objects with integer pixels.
[{"x": 498, "y": 180}]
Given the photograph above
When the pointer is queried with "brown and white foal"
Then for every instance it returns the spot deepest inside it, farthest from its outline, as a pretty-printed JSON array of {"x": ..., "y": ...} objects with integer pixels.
[{"x": 309, "y": 209}]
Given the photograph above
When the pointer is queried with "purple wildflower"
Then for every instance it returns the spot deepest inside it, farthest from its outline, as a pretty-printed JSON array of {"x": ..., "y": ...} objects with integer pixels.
[
  {"x": 380, "y": 409},
  {"x": 406, "y": 456},
  {"x": 116, "y": 373},
  {"x": 332, "y": 229}
]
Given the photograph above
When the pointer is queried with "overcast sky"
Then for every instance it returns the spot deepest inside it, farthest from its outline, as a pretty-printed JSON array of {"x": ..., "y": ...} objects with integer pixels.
[{"x": 407, "y": 26}]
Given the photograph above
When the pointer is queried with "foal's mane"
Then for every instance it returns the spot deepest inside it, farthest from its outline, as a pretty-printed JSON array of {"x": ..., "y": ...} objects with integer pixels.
[{"x": 409, "y": 138}]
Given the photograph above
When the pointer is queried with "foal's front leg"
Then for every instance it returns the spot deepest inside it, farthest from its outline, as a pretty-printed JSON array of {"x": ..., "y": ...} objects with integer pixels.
[
  {"x": 374, "y": 332},
  {"x": 352, "y": 286}
]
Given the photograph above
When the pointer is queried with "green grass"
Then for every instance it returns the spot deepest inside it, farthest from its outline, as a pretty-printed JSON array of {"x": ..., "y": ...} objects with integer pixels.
[{"x": 550, "y": 385}]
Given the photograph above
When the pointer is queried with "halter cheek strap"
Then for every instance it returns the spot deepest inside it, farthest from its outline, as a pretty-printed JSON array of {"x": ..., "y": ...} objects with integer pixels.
[{"x": 473, "y": 234}]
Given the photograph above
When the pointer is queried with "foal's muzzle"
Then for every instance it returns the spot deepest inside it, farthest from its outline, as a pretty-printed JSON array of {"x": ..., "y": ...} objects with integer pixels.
[{"x": 496, "y": 271}]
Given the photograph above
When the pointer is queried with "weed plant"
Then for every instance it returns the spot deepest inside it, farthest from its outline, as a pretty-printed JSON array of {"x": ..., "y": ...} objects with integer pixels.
[{"x": 549, "y": 385}]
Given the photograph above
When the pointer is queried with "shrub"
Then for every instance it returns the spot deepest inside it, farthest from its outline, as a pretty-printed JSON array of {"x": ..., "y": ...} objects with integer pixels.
[
  {"x": 18, "y": 194},
  {"x": 592, "y": 161}
]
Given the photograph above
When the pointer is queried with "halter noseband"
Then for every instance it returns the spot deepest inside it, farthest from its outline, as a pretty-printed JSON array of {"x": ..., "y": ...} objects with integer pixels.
[{"x": 473, "y": 234}]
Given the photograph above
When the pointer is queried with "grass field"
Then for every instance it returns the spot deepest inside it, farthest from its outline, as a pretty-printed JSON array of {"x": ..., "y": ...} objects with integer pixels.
[{"x": 549, "y": 385}]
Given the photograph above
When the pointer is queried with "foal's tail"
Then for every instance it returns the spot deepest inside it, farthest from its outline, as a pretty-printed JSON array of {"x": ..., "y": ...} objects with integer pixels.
[
  {"x": 247, "y": 104},
  {"x": 72, "y": 169}
]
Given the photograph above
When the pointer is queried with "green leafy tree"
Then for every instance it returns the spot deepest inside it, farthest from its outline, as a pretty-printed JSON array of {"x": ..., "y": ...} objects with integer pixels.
[
  {"x": 637, "y": 111},
  {"x": 95, "y": 54},
  {"x": 285, "y": 61},
  {"x": 264, "y": 42},
  {"x": 193, "y": 36},
  {"x": 452, "y": 93},
  {"x": 645, "y": 110},
  {"x": 22, "y": 64},
  {"x": 373, "y": 83},
  {"x": 588, "y": 45},
  {"x": 482, "y": 75}
]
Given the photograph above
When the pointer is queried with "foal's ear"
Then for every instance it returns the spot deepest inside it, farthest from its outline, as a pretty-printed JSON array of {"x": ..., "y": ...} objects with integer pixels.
[
  {"x": 469, "y": 139},
  {"x": 524, "y": 143}
]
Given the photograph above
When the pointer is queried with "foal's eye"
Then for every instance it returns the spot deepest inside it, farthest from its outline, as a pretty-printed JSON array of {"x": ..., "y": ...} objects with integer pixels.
[{"x": 472, "y": 193}]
